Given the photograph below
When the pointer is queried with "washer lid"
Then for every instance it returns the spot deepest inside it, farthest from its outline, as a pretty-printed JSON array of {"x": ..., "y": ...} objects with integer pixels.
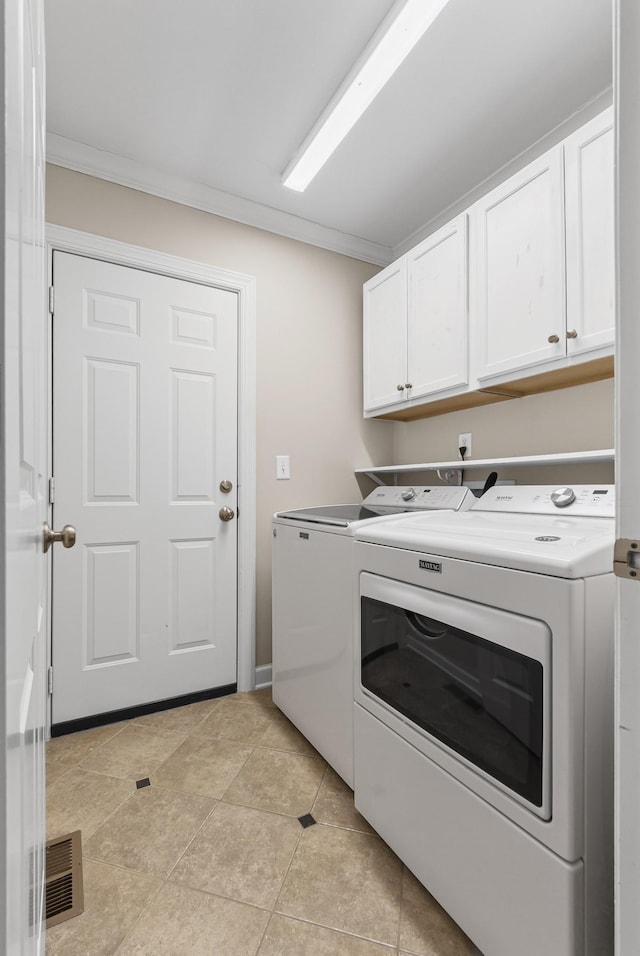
[
  {"x": 545, "y": 544},
  {"x": 384, "y": 501},
  {"x": 339, "y": 516}
]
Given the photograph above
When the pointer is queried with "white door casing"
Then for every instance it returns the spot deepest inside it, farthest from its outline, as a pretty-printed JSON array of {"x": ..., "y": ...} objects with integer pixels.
[
  {"x": 627, "y": 108},
  {"x": 23, "y": 455},
  {"x": 183, "y": 556}
]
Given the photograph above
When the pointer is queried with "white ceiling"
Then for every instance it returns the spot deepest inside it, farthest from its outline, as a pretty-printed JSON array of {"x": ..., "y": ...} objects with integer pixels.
[{"x": 207, "y": 100}]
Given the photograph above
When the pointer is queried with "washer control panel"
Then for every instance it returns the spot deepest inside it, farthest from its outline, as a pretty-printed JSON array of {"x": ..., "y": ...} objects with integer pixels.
[
  {"x": 596, "y": 501},
  {"x": 420, "y": 497}
]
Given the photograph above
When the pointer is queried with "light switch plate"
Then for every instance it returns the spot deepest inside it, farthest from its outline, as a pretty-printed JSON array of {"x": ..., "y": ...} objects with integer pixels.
[{"x": 282, "y": 466}]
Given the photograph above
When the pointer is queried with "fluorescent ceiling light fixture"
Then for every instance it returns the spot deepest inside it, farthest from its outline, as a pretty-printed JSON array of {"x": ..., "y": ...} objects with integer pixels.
[{"x": 399, "y": 32}]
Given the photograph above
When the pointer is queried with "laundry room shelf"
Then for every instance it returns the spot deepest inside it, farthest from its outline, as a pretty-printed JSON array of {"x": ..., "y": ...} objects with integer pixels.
[{"x": 560, "y": 458}]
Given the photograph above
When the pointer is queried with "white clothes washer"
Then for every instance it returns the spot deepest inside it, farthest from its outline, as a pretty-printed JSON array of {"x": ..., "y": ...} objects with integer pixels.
[
  {"x": 313, "y": 622},
  {"x": 483, "y": 715}
]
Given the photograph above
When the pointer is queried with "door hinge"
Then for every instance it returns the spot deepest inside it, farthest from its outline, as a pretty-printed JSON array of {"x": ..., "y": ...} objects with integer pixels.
[
  {"x": 51, "y": 299},
  {"x": 50, "y": 681},
  {"x": 52, "y": 490},
  {"x": 626, "y": 558}
]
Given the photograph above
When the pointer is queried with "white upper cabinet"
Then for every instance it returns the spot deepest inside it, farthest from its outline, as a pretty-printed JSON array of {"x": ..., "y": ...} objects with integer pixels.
[
  {"x": 385, "y": 336},
  {"x": 589, "y": 189},
  {"x": 519, "y": 288},
  {"x": 437, "y": 316},
  {"x": 520, "y": 302},
  {"x": 415, "y": 322}
]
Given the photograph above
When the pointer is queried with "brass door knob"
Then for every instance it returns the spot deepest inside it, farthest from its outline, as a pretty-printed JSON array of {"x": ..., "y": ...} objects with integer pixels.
[
  {"x": 553, "y": 339},
  {"x": 67, "y": 536},
  {"x": 226, "y": 513},
  {"x": 225, "y": 486}
]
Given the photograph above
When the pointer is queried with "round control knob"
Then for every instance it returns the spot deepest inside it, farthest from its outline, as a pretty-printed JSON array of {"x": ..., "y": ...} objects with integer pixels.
[
  {"x": 408, "y": 494},
  {"x": 562, "y": 497}
]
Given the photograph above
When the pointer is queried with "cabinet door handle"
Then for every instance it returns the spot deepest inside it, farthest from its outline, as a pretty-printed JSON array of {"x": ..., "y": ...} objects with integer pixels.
[
  {"x": 572, "y": 334},
  {"x": 408, "y": 385},
  {"x": 401, "y": 388},
  {"x": 553, "y": 339}
]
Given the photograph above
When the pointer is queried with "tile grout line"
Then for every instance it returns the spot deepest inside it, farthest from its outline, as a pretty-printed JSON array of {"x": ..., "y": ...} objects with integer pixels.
[
  {"x": 217, "y": 895},
  {"x": 284, "y": 879},
  {"x": 401, "y": 906},
  {"x": 171, "y": 756},
  {"x": 142, "y": 913},
  {"x": 107, "y": 818},
  {"x": 89, "y": 833},
  {"x": 295, "y": 850},
  {"x": 342, "y": 932},
  {"x": 187, "y": 847}
]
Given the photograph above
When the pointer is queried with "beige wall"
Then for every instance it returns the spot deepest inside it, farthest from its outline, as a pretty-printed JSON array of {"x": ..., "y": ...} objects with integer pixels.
[
  {"x": 309, "y": 345},
  {"x": 570, "y": 419}
]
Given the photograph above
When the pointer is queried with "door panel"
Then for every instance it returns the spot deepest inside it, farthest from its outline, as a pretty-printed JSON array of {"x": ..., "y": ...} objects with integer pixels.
[
  {"x": 145, "y": 428},
  {"x": 23, "y": 430},
  {"x": 520, "y": 275},
  {"x": 385, "y": 337},
  {"x": 589, "y": 164},
  {"x": 437, "y": 315}
]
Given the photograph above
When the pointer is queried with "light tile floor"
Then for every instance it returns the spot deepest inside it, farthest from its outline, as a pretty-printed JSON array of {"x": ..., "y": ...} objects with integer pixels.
[{"x": 211, "y": 860}]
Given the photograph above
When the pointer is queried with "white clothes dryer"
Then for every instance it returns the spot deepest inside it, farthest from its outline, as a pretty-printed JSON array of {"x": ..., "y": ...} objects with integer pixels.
[
  {"x": 483, "y": 715},
  {"x": 313, "y": 625}
]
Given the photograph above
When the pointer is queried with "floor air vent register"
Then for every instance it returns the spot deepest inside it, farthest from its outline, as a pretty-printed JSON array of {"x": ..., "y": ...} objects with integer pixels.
[{"x": 64, "y": 892}]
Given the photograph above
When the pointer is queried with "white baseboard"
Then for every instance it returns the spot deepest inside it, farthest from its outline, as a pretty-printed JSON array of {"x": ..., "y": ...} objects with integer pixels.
[{"x": 263, "y": 676}]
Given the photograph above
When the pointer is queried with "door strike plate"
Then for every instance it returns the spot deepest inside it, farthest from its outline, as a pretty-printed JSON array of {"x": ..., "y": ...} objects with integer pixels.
[{"x": 626, "y": 558}]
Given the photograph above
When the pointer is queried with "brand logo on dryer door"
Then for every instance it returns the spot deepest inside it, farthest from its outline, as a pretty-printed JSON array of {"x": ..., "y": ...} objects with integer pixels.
[{"x": 431, "y": 566}]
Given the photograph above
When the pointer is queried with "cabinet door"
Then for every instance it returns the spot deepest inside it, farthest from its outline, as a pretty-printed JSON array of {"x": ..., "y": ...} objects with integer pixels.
[
  {"x": 437, "y": 311},
  {"x": 385, "y": 337},
  {"x": 521, "y": 269},
  {"x": 589, "y": 187}
]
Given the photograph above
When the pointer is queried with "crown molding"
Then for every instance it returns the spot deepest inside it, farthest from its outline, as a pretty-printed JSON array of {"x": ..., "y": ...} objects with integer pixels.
[
  {"x": 128, "y": 172},
  {"x": 597, "y": 105}
]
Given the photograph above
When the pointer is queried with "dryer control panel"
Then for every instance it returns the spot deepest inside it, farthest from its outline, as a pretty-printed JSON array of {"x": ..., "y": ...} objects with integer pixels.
[
  {"x": 421, "y": 497},
  {"x": 594, "y": 501}
]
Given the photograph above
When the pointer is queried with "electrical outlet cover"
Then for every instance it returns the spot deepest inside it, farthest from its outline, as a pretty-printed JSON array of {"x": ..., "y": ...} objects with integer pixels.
[{"x": 464, "y": 441}]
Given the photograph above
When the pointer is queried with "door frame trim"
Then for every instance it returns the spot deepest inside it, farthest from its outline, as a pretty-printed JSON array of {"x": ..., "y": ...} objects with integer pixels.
[{"x": 62, "y": 239}]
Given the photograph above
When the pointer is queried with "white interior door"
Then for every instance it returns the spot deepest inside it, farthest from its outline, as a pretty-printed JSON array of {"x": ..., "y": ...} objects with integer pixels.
[
  {"x": 144, "y": 433},
  {"x": 23, "y": 465}
]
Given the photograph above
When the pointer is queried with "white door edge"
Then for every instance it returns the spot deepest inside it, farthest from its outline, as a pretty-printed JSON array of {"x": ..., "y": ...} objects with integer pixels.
[{"x": 61, "y": 239}]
